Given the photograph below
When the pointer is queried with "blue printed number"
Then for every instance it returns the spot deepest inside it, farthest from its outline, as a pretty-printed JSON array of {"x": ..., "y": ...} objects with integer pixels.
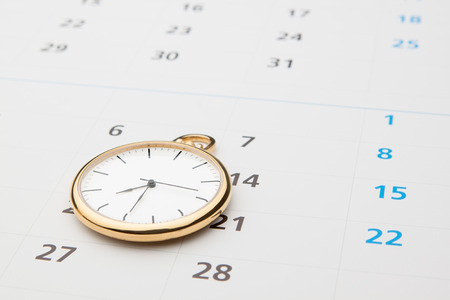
[
  {"x": 392, "y": 241},
  {"x": 379, "y": 233},
  {"x": 384, "y": 153},
  {"x": 373, "y": 240},
  {"x": 390, "y": 118},
  {"x": 405, "y": 44},
  {"x": 397, "y": 192},
  {"x": 414, "y": 19}
]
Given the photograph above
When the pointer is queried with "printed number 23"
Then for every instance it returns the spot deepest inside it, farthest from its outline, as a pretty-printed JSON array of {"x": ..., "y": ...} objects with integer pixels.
[{"x": 379, "y": 233}]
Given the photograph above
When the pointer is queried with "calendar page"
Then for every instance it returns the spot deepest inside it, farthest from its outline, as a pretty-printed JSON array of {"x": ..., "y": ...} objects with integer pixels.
[{"x": 331, "y": 117}]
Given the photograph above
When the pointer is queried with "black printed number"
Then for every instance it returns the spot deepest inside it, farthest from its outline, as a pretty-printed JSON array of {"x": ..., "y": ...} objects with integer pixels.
[
  {"x": 56, "y": 48},
  {"x": 250, "y": 139},
  {"x": 71, "y": 23},
  {"x": 115, "y": 131},
  {"x": 286, "y": 36},
  {"x": 90, "y": 2},
  {"x": 68, "y": 211},
  {"x": 223, "y": 219},
  {"x": 193, "y": 7},
  {"x": 299, "y": 13},
  {"x": 252, "y": 180},
  {"x": 222, "y": 274},
  {"x": 163, "y": 55},
  {"x": 53, "y": 248},
  {"x": 275, "y": 62},
  {"x": 179, "y": 30}
]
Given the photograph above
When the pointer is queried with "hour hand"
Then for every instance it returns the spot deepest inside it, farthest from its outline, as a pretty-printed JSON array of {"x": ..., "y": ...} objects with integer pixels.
[{"x": 131, "y": 189}]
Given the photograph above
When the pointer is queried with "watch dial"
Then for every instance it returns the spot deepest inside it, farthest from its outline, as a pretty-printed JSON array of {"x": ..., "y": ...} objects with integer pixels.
[{"x": 150, "y": 185}]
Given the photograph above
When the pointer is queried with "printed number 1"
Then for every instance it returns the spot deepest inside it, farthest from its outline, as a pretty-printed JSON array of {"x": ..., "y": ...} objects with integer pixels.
[{"x": 390, "y": 119}]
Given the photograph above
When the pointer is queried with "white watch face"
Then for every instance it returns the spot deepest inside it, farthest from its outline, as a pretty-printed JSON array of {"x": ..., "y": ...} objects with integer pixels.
[{"x": 150, "y": 185}]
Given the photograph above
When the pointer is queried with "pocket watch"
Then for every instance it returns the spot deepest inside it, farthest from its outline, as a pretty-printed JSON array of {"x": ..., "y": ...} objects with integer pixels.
[{"x": 152, "y": 191}]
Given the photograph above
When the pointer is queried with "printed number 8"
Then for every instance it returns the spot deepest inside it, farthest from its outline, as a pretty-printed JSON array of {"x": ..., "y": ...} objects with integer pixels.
[{"x": 384, "y": 153}]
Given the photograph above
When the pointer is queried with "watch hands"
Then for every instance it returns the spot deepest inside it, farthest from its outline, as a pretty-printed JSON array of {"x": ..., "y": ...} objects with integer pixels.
[
  {"x": 150, "y": 184},
  {"x": 131, "y": 189},
  {"x": 174, "y": 185}
]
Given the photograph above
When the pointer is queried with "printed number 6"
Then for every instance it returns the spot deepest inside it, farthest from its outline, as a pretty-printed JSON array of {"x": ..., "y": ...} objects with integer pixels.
[{"x": 115, "y": 131}]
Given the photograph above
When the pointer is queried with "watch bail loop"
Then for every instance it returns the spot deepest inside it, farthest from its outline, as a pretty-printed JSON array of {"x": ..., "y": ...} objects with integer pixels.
[{"x": 202, "y": 141}]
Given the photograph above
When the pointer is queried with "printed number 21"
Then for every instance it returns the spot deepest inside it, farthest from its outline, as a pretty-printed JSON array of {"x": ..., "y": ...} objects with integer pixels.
[{"x": 379, "y": 233}]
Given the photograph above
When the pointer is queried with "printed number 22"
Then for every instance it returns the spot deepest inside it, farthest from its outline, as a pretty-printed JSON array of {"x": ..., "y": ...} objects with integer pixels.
[
  {"x": 379, "y": 233},
  {"x": 405, "y": 44}
]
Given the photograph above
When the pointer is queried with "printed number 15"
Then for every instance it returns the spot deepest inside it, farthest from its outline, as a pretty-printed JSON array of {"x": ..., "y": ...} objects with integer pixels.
[{"x": 397, "y": 193}]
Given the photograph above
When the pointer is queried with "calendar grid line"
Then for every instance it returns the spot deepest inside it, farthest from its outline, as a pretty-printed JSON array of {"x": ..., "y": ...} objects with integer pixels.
[
  {"x": 221, "y": 96},
  {"x": 397, "y": 274},
  {"x": 349, "y": 203},
  {"x": 166, "y": 282},
  {"x": 37, "y": 217},
  {"x": 349, "y": 219},
  {"x": 53, "y": 292},
  {"x": 315, "y": 267}
]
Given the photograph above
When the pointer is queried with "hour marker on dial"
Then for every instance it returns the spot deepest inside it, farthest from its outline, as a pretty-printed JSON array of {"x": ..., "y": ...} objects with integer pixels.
[
  {"x": 98, "y": 172},
  {"x": 120, "y": 159},
  {"x": 202, "y": 164},
  {"x": 177, "y": 155}
]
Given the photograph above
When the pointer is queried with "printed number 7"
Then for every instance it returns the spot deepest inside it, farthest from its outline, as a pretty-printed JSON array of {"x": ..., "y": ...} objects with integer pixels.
[{"x": 250, "y": 139}]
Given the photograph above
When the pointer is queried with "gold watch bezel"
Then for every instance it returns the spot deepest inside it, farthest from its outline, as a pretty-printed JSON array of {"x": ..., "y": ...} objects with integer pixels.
[{"x": 153, "y": 231}]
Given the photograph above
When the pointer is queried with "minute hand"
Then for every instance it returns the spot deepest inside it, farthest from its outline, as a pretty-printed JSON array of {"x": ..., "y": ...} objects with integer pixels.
[{"x": 174, "y": 185}]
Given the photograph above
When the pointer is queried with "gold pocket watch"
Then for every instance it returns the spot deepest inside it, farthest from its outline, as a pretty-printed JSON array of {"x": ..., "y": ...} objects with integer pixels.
[{"x": 152, "y": 191}]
